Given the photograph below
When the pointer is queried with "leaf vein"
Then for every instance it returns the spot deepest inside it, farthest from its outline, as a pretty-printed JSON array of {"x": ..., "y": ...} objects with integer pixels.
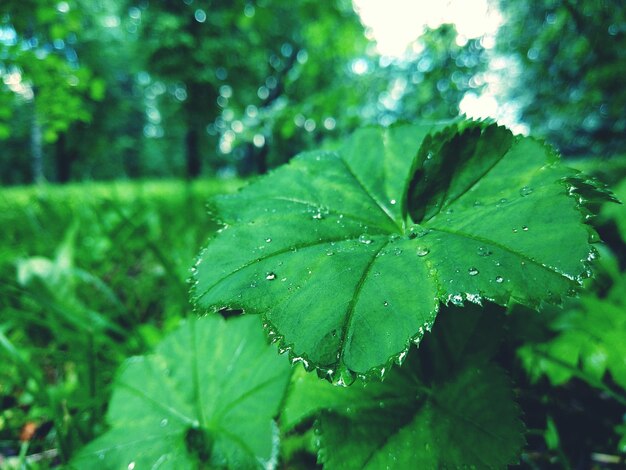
[
  {"x": 355, "y": 297},
  {"x": 371, "y": 196},
  {"x": 550, "y": 269},
  {"x": 271, "y": 255}
]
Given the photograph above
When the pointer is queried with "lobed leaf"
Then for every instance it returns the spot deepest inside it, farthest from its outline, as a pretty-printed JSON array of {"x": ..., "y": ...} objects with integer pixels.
[
  {"x": 469, "y": 421},
  {"x": 208, "y": 394},
  {"x": 460, "y": 415},
  {"x": 349, "y": 255}
]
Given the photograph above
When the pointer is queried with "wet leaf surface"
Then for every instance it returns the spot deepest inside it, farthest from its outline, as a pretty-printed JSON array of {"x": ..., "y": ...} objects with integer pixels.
[{"x": 349, "y": 255}]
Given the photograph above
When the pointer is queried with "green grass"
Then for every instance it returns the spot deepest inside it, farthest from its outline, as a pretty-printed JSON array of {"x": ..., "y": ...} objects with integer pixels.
[{"x": 89, "y": 274}]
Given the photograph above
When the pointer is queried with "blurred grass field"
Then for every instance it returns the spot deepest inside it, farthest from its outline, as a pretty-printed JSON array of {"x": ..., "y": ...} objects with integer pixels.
[{"x": 90, "y": 274}]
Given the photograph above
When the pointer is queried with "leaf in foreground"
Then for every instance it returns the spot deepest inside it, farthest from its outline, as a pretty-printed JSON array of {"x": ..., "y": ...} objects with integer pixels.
[
  {"x": 348, "y": 255},
  {"x": 208, "y": 394}
]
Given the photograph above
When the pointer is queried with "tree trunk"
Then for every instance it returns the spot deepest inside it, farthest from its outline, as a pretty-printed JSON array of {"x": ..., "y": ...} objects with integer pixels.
[
  {"x": 36, "y": 145},
  {"x": 63, "y": 159},
  {"x": 192, "y": 148}
]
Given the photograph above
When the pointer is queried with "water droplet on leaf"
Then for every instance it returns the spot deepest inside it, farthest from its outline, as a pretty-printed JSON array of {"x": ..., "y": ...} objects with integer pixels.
[
  {"x": 422, "y": 251},
  {"x": 482, "y": 251},
  {"x": 270, "y": 276},
  {"x": 499, "y": 279},
  {"x": 472, "y": 271},
  {"x": 344, "y": 377},
  {"x": 525, "y": 191},
  {"x": 164, "y": 422},
  {"x": 365, "y": 239}
]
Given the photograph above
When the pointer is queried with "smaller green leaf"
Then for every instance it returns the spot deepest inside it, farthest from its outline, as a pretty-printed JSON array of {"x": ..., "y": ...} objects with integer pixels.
[
  {"x": 590, "y": 338},
  {"x": 430, "y": 413},
  {"x": 470, "y": 420},
  {"x": 208, "y": 394}
]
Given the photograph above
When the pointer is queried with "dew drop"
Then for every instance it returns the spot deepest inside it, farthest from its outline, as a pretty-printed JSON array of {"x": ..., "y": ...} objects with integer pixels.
[
  {"x": 456, "y": 299},
  {"x": 270, "y": 276},
  {"x": 393, "y": 202},
  {"x": 365, "y": 239},
  {"x": 472, "y": 271},
  {"x": 482, "y": 251},
  {"x": 344, "y": 377},
  {"x": 422, "y": 251},
  {"x": 385, "y": 303},
  {"x": 164, "y": 422},
  {"x": 318, "y": 216},
  {"x": 401, "y": 357},
  {"x": 503, "y": 200},
  {"x": 525, "y": 228},
  {"x": 397, "y": 251},
  {"x": 268, "y": 240},
  {"x": 131, "y": 466},
  {"x": 525, "y": 191},
  {"x": 514, "y": 230},
  {"x": 499, "y": 279},
  {"x": 330, "y": 253}
]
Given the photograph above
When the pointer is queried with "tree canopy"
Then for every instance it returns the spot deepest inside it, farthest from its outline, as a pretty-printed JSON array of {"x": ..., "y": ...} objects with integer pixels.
[{"x": 129, "y": 88}]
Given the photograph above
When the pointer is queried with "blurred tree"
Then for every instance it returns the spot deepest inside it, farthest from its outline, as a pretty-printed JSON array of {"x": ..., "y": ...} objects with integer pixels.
[
  {"x": 240, "y": 62},
  {"x": 570, "y": 59},
  {"x": 328, "y": 96},
  {"x": 39, "y": 65},
  {"x": 433, "y": 78}
]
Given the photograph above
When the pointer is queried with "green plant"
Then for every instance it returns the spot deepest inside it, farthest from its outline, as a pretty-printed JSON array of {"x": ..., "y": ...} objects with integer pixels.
[{"x": 349, "y": 257}]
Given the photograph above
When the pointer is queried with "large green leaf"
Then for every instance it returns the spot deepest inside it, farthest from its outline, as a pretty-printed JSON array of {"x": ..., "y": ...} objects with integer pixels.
[
  {"x": 460, "y": 415},
  {"x": 208, "y": 394},
  {"x": 348, "y": 255}
]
